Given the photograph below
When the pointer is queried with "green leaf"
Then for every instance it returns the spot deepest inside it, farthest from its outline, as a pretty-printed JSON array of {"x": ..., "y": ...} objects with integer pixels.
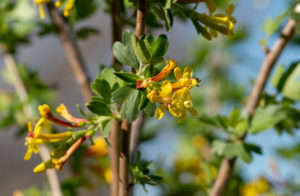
[
  {"x": 277, "y": 76},
  {"x": 124, "y": 52},
  {"x": 160, "y": 46},
  {"x": 168, "y": 19},
  {"x": 102, "y": 88},
  {"x": 271, "y": 25},
  {"x": 110, "y": 77},
  {"x": 140, "y": 50},
  {"x": 144, "y": 101},
  {"x": 99, "y": 108},
  {"x": 85, "y": 32},
  {"x": 219, "y": 147},
  {"x": 127, "y": 77},
  {"x": 150, "y": 109},
  {"x": 266, "y": 117},
  {"x": 120, "y": 94},
  {"x": 129, "y": 109},
  {"x": 291, "y": 86}
]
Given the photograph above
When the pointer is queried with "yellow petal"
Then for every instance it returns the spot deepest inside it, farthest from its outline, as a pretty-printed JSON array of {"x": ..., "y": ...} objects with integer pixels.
[
  {"x": 230, "y": 10},
  {"x": 166, "y": 89},
  {"x": 178, "y": 73},
  {"x": 156, "y": 99},
  {"x": 41, "y": 11},
  {"x": 160, "y": 111},
  {"x": 193, "y": 111},
  {"x": 188, "y": 72},
  {"x": 176, "y": 108},
  {"x": 44, "y": 110},
  {"x": 28, "y": 154},
  {"x": 185, "y": 93},
  {"x": 29, "y": 126},
  {"x": 35, "y": 148},
  {"x": 182, "y": 117}
]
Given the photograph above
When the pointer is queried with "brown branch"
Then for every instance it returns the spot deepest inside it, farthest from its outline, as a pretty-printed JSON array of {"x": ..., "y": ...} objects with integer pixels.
[
  {"x": 227, "y": 165},
  {"x": 116, "y": 27},
  {"x": 22, "y": 93},
  {"x": 115, "y": 126},
  {"x": 140, "y": 18},
  {"x": 137, "y": 126},
  {"x": 72, "y": 51},
  {"x": 124, "y": 159},
  {"x": 124, "y": 189},
  {"x": 114, "y": 156}
]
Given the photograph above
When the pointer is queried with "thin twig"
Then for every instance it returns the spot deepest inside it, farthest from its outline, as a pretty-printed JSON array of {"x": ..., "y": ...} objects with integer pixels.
[
  {"x": 126, "y": 127},
  {"x": 227, "y": 165},
  {"x": 72, "y": 51},
  {"x": 115, "y": 126},
  {"x": 22, "y": 93},
  {"x": 116, "y": 26},
  {"x": 140, "y": 18},
  {"x": 137, "y": 126},
  {"x": 124, "y": 159}
]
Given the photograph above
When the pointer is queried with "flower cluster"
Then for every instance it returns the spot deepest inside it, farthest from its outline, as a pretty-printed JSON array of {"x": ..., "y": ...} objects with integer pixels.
[
  {"x": 172, "y": 96},
  {"x": 69, "y": 6},
  {"x": 68, "y": 141},
  {"x": 216, "y": 22},
  {"x": 258, "y": 187}
]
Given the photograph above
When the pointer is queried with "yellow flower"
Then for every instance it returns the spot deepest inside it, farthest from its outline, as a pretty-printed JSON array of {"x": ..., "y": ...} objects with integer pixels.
[
  {"x": 165, "y": 71},
  {"x": 170, "y": 65},
  {"x": 185, "y": 79},
  {"x": 108, "y": 175},
  {"x": 255, "y": 188},
  {"x": 262, "y": 185},
  {"x": 41, "y": 3},
  {"x": 64, "y": 112},
  {"x": 45, "y": 111},
  {"x": 99, "y": 148},
  {"x": 43, "y": 166},
  {"x": 219, "y": 22},
  {"x": 36, "y": 137},
  {"x": 69, "y": 7},
  {"x": 164, "y": 97},
  {"x": 184, "y": 96}
]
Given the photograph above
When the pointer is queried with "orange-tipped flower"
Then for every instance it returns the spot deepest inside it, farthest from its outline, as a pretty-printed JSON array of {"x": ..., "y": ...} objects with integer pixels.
[{"x": 64, "y": 112}]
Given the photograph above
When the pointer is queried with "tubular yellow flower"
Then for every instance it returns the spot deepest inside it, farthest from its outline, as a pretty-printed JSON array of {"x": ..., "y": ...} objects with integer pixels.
[
  {"x": 45, "y": 111},
  {"x": 164, "y": 97},
  {"x": 63, "y": 111},
  {"x": 36, "y": 137},
  {"x": 165, "y": 71},
  {"x": 170, "y": 65},
  {"x": 43, "y": 166},
  {"x": 185, "y": 79},
  {"x": 69, "y": 7}
]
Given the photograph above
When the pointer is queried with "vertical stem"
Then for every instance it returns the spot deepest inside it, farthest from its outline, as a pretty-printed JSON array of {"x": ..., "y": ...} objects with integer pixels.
[
  {"x": 227, "y": 165},
  {"x": 140, "y": 18},
  {"x": 137, "y": 126},
  {"x": 116, "y": 26},
  {"x": 22, "y": 93},
  {"x": 124, "y": 159},
  {"x": 72, "y": 51},
  {"x": 114, "y": 157},
  {"x": 126, "y": 127},
  {"x": 115, "y": 126}
]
